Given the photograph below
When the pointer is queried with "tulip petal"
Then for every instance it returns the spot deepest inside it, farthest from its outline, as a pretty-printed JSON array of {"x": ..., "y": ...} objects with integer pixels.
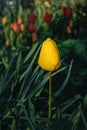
[{"x": 49, "y": 58}]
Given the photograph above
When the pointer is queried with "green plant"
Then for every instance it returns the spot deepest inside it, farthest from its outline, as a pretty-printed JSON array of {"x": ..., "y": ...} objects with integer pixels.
[
  {"x": 21, "y": 84},
  {"x": 24, "y": 85}
]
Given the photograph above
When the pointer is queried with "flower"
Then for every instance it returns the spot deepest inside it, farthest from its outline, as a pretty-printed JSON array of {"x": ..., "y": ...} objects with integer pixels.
[
  {"x": 68, "y": 30},
  {"x": 47, "y": 17},
  {"x": 49, "y": 57},
  {"x": 7, "y": 42},
  {"x": 32, "y": 17},
  {"x": 34, "y": 37},
  {"x": 4, "y": 20},
  {"x": 75, "y": 31},
  {"x": 19, "y": 20},
  {"x": 37, "y": 1},
  {"x": 31, "y": 27},
  {"x": 71, "y": 23},
  {"x": 15, "y": 27},
  {"x": 67, "y": 12},
  {"x": 47, "y": 4},
  {"x": 22, "y": 27}
]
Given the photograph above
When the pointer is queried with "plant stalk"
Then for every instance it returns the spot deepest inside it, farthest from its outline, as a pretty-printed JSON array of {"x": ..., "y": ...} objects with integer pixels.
[{"x": 50, "y": 99}]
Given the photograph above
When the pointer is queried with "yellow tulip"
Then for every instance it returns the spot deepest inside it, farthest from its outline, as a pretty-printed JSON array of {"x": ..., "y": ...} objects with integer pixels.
[
  {"x": 47, "y": 4},
  {"x": 4, "y": 20},
  {"x": 49, "y": 57}
]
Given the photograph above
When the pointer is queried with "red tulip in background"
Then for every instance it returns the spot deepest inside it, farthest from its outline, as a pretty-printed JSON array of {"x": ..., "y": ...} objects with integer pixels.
[
  {"x": 32, "y": 17},
  {"x": 15, "y": 27},
  {"x": 67, "y": 12},
  {"x": 47, "y": 17},
  {"x": 31, "y": 27}
]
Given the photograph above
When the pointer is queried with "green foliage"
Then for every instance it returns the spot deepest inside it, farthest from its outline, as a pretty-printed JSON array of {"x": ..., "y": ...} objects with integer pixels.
[
  {"x": 20, "y": 83},
  {"x": 24, "y": 85},
  {"x": 21, "y": 86}
]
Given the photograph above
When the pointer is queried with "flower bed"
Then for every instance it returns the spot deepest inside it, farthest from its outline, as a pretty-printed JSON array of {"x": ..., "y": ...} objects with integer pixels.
[{"x": 43, "y": 66}]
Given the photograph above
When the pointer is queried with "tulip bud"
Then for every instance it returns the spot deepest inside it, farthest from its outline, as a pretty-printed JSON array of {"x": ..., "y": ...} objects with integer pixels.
[
  {"x": 71, "y": 23},
  {"x": 19, "y": 20},
  {"x": 34, "y": 36},
  {"x": 49, "y": 58},
  {"x": 22, "y": 27},
  {"x": 32, "y": 17},
  {"x": 15, "y": 27},
  {"x": 7, "y": 42},
  {"x": 47, "y": 4},
  {"x": 47, "y": 17},
  {"x": 68, "y": 30},
  {"x": 67, "y": 12},
  {"x": 4, "y": 20},
  {"x": 31, "y": 27}
]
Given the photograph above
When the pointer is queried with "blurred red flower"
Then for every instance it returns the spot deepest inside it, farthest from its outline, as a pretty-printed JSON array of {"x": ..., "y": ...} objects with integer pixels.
[
  {"x": 15, "y": 27},
  {"x": 47, "y": 17},
  {"x": 31, "y": 27},
  {"x": 32, "y": 17},
  {"x": 67, "y": 12}
]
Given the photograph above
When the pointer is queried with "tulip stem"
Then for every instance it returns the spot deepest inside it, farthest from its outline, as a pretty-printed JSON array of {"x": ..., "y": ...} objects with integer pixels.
[{"x": 50, "y": 99}]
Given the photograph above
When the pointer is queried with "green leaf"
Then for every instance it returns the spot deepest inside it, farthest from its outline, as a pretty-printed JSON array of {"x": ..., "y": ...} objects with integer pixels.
[
  {"x": 28, "y": 128},
  {"x": 32, "y": 78},
  {"x": 40, "y": 83},
  {"x": 72, "y": 122},
  {"x": 18, "y": 62},
  {"x": 5, "y": 63},
  {"x": 13, "y": 126},
  {"x": 27, "y": 116},
  {"x": 59, "y": 91},
  {"x": 31, "y": 111},
  {"x": 57, "y": 122},
  {"x": 29, "y": 70},
  {"x": 83, "y": 117},
  {"x": 85, "y": 101},
  {"x": 6, "y": 75},
  {"x": 33, "y": 49},
  {"x": 20, "y": 10},
  {"x": 70, "y": 102},
  {"x": 6, "y": 115}
]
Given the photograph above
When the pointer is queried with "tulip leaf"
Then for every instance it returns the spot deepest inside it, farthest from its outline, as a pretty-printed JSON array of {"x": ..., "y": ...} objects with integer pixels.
[
  {"x": 7, "y": 78},
  {"x": 27, "y": 116},
  {"x": 31, "y": 111},
  {"x": 40, "y": 83},
  {"x": 57, "y": 93},
  {"x": 72, "y": 122},
  {"x": 18, "y": 62},
  {"x": 85, "y": 101},
  {"x": 57, "y": 122},
  {"x": 31, "y": 52},
  {"x": 28, "y": 71},
  {"x": 28, "y": 86},
  {"x": 70, "y": 102},
  {"x": 82, "y": 116},
  {"x": 20, "y": 10}
]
